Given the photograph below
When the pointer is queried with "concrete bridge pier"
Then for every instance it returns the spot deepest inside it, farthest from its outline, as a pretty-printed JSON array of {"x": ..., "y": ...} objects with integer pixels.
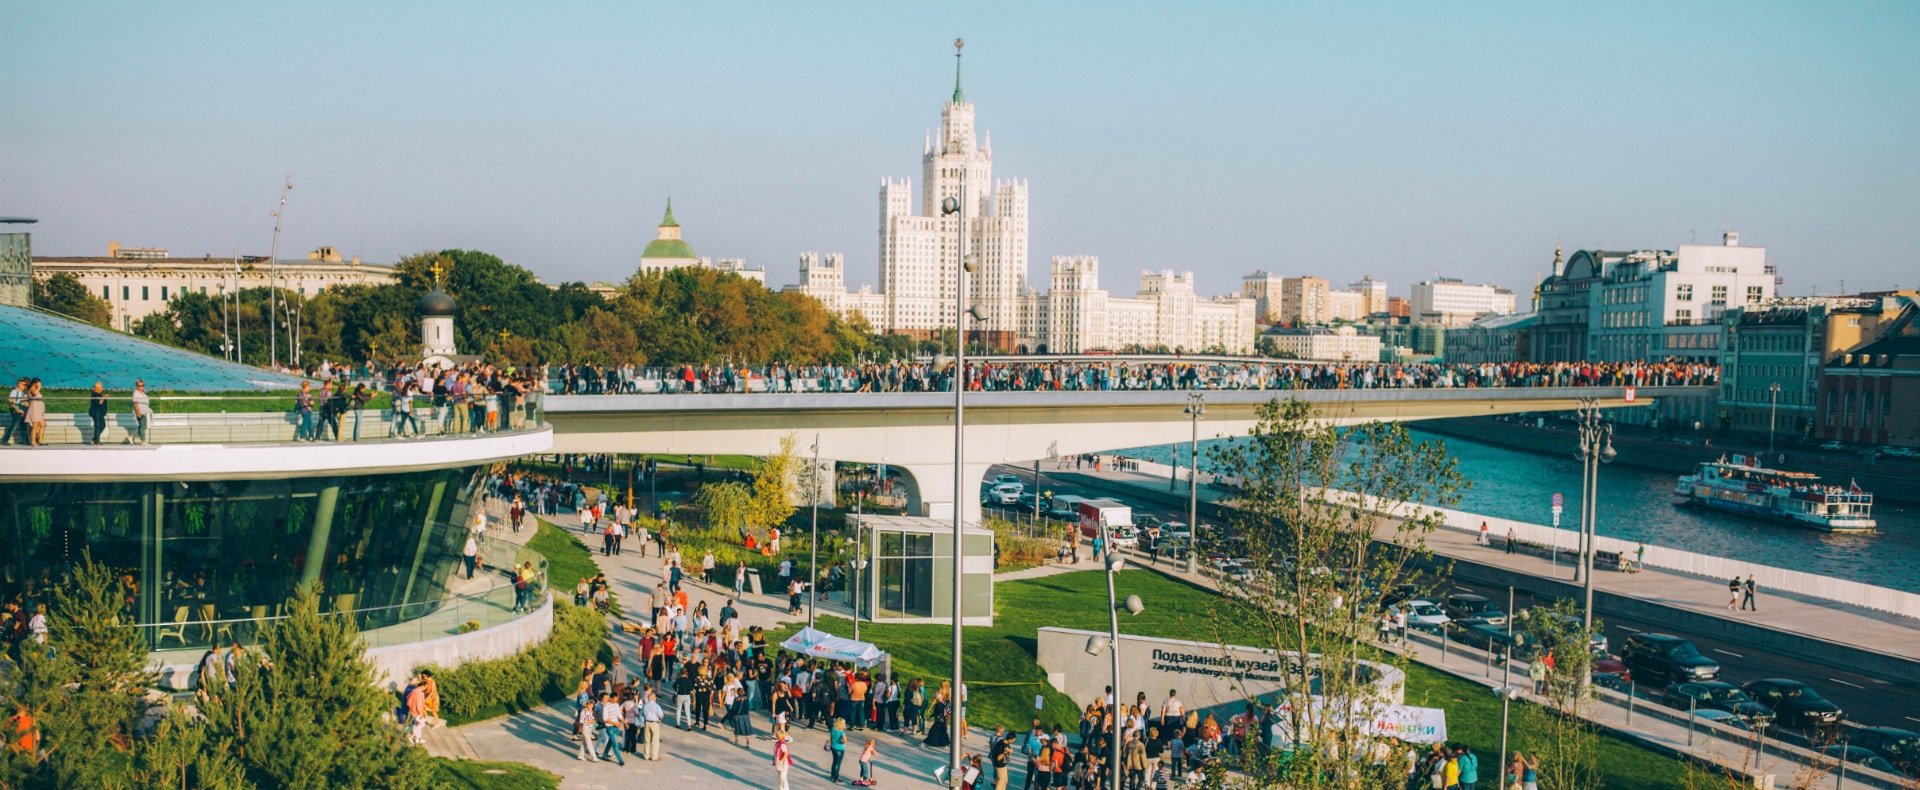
[{"x": 930, "y": 490}]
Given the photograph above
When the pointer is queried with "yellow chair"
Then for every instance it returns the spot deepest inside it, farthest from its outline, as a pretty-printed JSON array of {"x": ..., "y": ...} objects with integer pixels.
[{"x": 178, "y": 630}]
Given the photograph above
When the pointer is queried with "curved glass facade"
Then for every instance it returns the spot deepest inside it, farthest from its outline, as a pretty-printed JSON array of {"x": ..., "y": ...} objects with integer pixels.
[{"x": 200, "y": 552}]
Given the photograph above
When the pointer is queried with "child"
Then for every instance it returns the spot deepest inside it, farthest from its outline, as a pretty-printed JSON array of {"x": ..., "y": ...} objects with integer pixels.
[{"x": 866, "y": 765}]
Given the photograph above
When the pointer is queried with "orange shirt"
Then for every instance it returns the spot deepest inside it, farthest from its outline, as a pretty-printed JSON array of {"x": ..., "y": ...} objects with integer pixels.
[{"x": 858, "y": 691}]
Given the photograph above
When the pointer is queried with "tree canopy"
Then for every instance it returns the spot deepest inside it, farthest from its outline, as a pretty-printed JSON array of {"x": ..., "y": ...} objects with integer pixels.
[
  {"x": 64, "y": 294},
  {"x": 689, "y": 316}
]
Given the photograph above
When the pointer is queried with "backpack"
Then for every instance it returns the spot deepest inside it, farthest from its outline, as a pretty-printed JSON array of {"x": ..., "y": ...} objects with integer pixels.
[{"x": 919, "y": 696}]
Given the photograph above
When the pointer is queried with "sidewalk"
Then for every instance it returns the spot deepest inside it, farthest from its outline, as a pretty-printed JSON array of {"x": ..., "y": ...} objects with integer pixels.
[
  {"x": 1836, "y": 623},
  {"x": 702, "y": 758}
]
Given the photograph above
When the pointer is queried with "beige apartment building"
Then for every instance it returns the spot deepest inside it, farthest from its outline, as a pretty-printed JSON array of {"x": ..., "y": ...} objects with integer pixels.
[{"x": 140, "y": 281}]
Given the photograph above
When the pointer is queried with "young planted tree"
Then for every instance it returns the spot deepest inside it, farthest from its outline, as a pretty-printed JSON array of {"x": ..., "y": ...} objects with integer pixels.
[
  {"x": 1322, "y": 561},
  {"x": 1555, "y": 729},
  {"x": 303, "y": 711}
]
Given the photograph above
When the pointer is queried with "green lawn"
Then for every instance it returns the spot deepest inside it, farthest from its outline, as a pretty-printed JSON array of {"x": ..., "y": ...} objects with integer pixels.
[
  {"x": 1005, "y": 654},
  {"x": 451, "y": 774},
  {"x": 568, "y": 560},
  {"x": 167, "y": 402}
]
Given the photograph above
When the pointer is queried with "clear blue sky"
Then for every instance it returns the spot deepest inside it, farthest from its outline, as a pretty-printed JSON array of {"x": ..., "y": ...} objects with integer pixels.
[{"x": 1392, "y": 139}]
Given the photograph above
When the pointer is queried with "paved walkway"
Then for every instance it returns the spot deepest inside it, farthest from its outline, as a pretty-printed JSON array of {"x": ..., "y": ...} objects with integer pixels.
[
  {"x": 1826, "y": 620},
  {"x": 691, "y": 758}
]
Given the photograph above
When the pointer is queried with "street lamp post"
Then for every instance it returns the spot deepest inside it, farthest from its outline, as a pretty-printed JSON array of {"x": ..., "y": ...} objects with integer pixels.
[
  {"x": 858, "y": 543},
  {"x": 813, "y": 551},
  {"x": 1114, "y": 560},
  {"x": 1596, "y": 446},
  {"x": 1773, "y": 413},
  {"x": 1196, "y": 408},
  {"x": 956, "y": 206}
]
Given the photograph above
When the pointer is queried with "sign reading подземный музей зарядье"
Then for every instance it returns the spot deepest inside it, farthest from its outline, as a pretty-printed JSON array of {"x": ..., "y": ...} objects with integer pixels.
[{"x": 1214, "y": 678}]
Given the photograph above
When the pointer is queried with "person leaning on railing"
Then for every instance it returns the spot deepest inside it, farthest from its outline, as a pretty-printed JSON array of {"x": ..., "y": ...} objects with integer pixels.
[{"x": 303, "y": 413}]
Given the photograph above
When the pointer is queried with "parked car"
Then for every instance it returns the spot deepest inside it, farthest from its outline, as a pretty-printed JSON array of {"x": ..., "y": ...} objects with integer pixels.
[
  {"x": 1722, "y": 696},
  {"x": 1859, "y": 755},
  {"x": 1833, "y": 446},
  {"x": 1422, "y": 615},
  {"x": 1176, "y": 532},
  {"x": 1667, "y": 658},
  {"x": 1612, "y": 666},
  {"x": 1461, "y": 606},
  {"x": 1596, "y": 640},
  {"x": 1900, "y": 747},
  {"x": 1723, "y": 717},
  {"x": 1480, "y": 633},
  {"x": 1795, "y": 704}
]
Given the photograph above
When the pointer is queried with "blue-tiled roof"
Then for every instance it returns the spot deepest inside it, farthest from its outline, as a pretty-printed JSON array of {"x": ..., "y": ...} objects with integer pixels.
[{"x": 65, "y": 353}]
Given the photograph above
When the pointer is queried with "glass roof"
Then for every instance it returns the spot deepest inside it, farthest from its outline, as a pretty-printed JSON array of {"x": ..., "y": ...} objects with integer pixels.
[{"x": 68, "y": 354}]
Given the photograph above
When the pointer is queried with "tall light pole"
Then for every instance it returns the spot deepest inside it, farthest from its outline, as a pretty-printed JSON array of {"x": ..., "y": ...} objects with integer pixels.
[
  {"x": 1596, "y": 446},
  {"x": 273, "y": 279},
  {"x": 1506, "y": 681},
  {"x": 858, "y": 542},
  {"x": 956, "y": 206},
  {"x": 813, "y": 552},
  {"x": 1773, "y": 413},
  {"x": 1111, "y": 644},
  {"x": 1196, "y": 408}
]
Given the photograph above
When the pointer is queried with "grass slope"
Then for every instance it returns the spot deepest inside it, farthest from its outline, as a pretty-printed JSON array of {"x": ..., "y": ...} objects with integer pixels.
[
  {"x": 451, "y": 774},
  {"x": 1000, "y": 662}
]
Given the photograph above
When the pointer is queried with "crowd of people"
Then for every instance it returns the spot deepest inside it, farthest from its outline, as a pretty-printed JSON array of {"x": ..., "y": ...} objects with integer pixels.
[{"x": 1088, "y": 375}]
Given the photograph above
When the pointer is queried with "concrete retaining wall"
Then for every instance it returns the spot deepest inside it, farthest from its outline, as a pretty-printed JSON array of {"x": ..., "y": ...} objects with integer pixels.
[{"x": 393, "y": 664}]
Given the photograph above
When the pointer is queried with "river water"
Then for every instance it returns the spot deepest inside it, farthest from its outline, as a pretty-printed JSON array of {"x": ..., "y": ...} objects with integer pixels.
[{"x": 1637, "y": 504}]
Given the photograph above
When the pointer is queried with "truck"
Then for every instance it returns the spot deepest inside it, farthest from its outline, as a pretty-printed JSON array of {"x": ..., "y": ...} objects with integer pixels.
[{"x": 1113, "y": 513}]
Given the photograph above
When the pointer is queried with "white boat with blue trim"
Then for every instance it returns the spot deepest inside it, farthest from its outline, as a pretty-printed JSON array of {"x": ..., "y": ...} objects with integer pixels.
[{"x": 1739, "y": 484}]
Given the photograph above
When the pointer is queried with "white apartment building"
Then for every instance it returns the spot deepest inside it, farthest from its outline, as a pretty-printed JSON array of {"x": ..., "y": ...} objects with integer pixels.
[
  {"x": 825, "y": 278},
  {"x": 1659, "y": 305},
  {"x": 140, "y": 281},
  {"x": 918, "y": 264},
  {"x": 1077, "y": 316},
  {"x": 1451, "y": 302},
  {"x": 1328, "y": 344},
  {"x": 1264, "y": 290}
]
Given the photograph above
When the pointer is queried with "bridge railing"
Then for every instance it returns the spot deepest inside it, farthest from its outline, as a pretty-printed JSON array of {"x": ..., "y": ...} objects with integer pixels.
[
  {"x": 1166, "y": 375},
  {"x": 270, "y": 419}
]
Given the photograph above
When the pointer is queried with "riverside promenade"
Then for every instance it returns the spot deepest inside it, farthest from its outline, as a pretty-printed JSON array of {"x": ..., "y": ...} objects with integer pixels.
[{"x": 1805, "y": 623}]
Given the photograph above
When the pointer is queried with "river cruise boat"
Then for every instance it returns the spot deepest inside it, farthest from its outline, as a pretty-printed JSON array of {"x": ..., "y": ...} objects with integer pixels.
[{"x": 1741, "y": 485}]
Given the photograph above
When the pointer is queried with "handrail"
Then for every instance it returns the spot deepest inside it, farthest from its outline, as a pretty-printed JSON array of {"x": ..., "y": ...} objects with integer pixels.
[
  {"x": 492, "y": 599},
  {"x": 451, "y": 420}
]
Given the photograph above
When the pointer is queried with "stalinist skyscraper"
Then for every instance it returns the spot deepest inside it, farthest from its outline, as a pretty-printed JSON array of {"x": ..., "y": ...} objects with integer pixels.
[{"x": 917, "y": 252}]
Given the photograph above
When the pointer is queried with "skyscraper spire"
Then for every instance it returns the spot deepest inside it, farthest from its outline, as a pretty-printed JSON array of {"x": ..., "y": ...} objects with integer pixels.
[{"x": 958, "y": 96}]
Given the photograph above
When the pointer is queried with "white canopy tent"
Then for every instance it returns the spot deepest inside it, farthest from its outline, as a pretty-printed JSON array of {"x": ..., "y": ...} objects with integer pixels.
[{"x": 815, "y": 643}]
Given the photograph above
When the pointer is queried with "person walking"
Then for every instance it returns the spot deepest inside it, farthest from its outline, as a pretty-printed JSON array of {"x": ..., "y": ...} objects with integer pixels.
[
  {"x": 650, "y": 716},
  {"x": 1733, "y": 593},
  {"x": 611, "y": 723},
  {"x": 589, "y": 735},
  {"x": 470, "y": 554},
  {"x": 837, "y": 747},
  {"x": 142, "y": 411},
  {"x": 97, "y": 411},
  {"x": 1746, "y": 595},
  {"x": 17, "y": 409},
  {"x": 303, "y": 413},
  {"x": 782, "y": 755}
]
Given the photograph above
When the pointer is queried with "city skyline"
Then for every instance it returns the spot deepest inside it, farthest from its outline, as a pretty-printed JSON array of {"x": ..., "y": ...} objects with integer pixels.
[{"x": 558, "y": 148}]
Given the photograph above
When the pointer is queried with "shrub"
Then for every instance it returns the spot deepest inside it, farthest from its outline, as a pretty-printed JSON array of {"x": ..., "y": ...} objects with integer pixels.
[{"x": 533, "y": 677}]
